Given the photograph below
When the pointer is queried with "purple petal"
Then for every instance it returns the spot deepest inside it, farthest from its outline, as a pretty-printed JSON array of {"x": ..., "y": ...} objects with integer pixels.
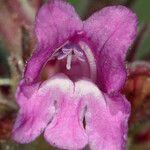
[
  {"x": 24, "y": 92},
  {"x": 108, "y": 130},
  {"x": 66, "y": 130},
  {"x": 56, "y": 23},
  {"x": 39, "y": 110},
  {"x": 106, "y": 117},
  {"x": 111, "y": 31}
]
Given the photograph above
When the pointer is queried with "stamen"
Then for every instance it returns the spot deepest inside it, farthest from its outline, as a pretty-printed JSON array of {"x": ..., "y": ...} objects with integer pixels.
[
  {"x": 69, "y": 59},
  {"x": 69, "y": 52},
  {"x": 66, "y": 51},
  {"x": 61, "y": 56},
  {"x": 80, "y": 58},
  {"x": 78, "y": 53}
]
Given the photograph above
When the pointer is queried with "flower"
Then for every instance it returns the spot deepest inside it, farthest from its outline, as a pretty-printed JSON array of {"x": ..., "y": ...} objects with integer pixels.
[{"x": 80, "y": 102}]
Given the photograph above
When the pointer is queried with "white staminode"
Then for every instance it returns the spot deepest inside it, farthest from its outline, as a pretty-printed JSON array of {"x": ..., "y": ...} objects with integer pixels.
[
  {"x": 91, "y": 60},
  {"x": 69, "y": 59}
]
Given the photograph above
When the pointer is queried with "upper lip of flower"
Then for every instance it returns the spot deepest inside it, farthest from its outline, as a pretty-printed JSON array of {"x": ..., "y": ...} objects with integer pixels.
[{"x": 108, "y": 35}]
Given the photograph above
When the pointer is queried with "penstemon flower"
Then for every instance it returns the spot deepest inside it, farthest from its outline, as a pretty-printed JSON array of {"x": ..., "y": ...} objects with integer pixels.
[{"x": 80, "y": 102}]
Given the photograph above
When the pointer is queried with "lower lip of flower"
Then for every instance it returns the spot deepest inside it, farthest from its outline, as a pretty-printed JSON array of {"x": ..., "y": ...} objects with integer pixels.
[{"x": 75, "y": 60}]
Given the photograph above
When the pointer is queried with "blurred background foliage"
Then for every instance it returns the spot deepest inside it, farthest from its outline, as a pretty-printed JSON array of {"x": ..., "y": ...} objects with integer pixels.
[{"x": 17, "y": 41}]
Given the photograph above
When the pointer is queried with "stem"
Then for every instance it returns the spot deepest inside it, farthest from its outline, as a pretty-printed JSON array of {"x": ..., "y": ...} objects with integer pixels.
[
  {"x": 4, "y": 82},
  {"x": 9, "y": 104}
]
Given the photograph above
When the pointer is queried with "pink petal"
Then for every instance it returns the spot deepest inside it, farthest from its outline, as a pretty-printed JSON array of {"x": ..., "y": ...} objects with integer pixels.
[
  {"x": 108, "y": 130},
  {"x": 56, "y": 23},
  {"x": 106, "y": 117},
  {"x": 39, "y": 110},
  {"x": 24, "y": 92},
  {"x": 111, "y": 31},
  {"x": 66, "y": 130}
]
